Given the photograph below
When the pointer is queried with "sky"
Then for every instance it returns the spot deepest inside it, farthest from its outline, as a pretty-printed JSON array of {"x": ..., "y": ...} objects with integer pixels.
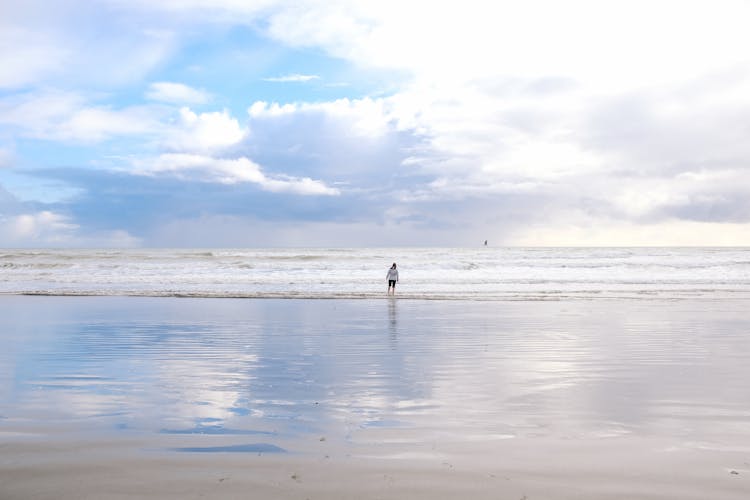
[{"x": 241, "y": 123}]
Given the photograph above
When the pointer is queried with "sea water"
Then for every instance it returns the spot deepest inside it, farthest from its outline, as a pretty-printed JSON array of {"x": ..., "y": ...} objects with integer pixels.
[{"x": 426, "y": 273}]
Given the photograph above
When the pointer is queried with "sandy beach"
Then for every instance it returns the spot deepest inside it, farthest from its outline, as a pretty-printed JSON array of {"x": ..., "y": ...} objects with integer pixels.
[
  {"x": 219, "y": 398},
  {"x": 538, "y": 469}
]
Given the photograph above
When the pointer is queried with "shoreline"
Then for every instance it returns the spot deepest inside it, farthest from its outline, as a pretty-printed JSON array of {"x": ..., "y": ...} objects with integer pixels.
[{"x": 599, "y": 295}]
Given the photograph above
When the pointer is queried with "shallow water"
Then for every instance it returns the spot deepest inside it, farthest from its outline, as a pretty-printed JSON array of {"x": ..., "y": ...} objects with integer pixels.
[
  {"x": 253, "y": 375},
  {"x": 425, "y": 273}
]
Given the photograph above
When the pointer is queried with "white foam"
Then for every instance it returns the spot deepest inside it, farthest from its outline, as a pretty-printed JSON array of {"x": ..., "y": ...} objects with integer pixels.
[{"x": 429, "y": 273}]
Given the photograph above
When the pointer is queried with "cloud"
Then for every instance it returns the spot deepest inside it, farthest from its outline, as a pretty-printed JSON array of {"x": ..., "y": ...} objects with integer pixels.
[
  {"x": 69, "y": 117},
  {"x": 692, "y": 122},
  {"x": 141, "y": 202},
  {"x": 64, "y": 43},
  {"x": 366, "y": 117},
  {"x": 607, "y": 126},
  {"x": 215, "y": 11},
  {"x": 28, "y": 57},
  {"x": 292, "y": 78},
  {"x": 6, "y": 200},
  {"x": 701, "y": 195},
  {"x": 247, "y": 231},
  {"x": 201, "y": 132},
  {"x": 593, "y": 43},
  {"x": 497, "y": 118},
  {"x": 354, "y": 141},
  {"x": 176, "y": 93},
  {"x": 231, "y": 171},
  {"x": 7, "y": 157},
  {"x": 26, "y": 225},
  {"x": 46, "y": 228},
  {"x": 586, "y": 231}
]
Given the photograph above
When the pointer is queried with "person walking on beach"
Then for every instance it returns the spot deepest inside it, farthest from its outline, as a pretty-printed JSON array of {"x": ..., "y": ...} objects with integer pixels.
[{"x": 392, "y": 278}]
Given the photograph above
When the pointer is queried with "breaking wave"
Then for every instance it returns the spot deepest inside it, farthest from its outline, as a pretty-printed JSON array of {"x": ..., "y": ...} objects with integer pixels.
[{"x": 426, "y": 273}]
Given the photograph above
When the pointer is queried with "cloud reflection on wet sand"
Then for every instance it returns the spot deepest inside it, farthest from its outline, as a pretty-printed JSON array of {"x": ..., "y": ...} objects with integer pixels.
[{"x": 368, "y": 374}]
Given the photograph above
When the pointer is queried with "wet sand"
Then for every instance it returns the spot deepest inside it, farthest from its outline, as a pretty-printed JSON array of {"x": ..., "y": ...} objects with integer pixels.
[{"x": 220, "y": 398}]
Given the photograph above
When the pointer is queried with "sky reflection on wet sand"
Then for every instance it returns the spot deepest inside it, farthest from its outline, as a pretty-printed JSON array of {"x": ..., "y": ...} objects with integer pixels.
[{"x": 365, "y": 374}]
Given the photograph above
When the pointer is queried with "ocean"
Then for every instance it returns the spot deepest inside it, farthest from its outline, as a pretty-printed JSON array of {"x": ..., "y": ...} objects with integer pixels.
[{"x": 425, "y": 273}]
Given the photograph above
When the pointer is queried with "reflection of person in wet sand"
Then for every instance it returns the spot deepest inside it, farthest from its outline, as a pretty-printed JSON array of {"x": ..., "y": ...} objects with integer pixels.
[
  {"x": 392, "y": 278},
  {"x": 393, "y": 318}
]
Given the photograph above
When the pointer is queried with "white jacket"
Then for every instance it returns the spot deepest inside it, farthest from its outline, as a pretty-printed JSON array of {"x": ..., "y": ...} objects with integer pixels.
[{"x": 392, "y": 274}]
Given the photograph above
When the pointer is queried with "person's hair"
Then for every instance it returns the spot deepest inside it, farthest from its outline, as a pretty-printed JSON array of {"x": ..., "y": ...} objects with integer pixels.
[{"x": 394, "y": 265}]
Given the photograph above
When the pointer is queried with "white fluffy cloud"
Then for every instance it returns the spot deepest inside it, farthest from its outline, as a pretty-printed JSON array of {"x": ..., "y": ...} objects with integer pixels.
[
  {"x": 50, "y": 229},
  {"x": 607, "y": 106},
  {"x": 231, "y": 171},
  {"x": 200, "y": 132},
  {"x": 69, "y": 117},
  {"x": 43, "y": 225},
  {"x": 609, "y": 45},
  {"x": 366, "y": 117}
]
